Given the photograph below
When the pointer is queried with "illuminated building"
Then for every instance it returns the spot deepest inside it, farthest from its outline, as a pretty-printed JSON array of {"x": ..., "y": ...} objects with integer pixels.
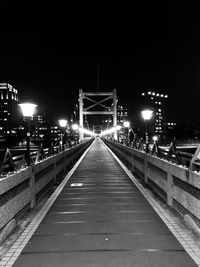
[
  {"x": 43, "y": 128},
  {"x": 122, "y": 115},
  {"x": 156, "y": 101},
  {"x": 8, "y": 111}
]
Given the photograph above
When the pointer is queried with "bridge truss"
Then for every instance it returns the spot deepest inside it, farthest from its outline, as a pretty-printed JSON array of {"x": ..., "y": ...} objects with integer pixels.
[{"x": 105, "y": 109}]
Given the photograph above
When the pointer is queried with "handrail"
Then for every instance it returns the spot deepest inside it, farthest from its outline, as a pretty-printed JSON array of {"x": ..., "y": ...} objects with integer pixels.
[
  {"x": 10, "y": 163},
  {"x": 172, "y": 154}
]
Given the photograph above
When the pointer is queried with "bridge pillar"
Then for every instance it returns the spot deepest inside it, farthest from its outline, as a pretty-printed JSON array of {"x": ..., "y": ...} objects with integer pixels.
[
  {"x": 115, "y": 111},
  {"x": 81, "y": 114}
]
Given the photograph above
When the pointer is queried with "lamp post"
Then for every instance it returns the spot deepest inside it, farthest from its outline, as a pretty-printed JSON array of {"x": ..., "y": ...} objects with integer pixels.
[
  {"x": 147, "y": 115},
  {"x": 63, "y": 124},
  {"x": 28, "y": 110},
  {"x": 126, "y": 124},
  {"x": 75, "y": 128},
  {"x": 155, "y": 138}
]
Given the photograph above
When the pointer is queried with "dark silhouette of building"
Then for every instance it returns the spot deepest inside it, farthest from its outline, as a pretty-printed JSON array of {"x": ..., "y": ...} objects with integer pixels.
[{"x": 9, "y": 112}]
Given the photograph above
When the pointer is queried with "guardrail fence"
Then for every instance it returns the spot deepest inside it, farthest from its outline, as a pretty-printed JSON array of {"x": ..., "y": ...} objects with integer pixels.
[
  {"x": 23, "y": 189},
  {"x": 176, "y": 184}
]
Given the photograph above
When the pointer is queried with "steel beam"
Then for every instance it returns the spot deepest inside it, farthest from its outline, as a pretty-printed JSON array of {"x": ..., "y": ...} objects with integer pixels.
[
  {"x": 97, "y": 93},
  {"x": 81, "y": 113},
  {"x": 97, "y": 112}
]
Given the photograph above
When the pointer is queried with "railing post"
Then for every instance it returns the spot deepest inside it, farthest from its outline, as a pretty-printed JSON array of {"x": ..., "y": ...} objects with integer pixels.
[
  {"x": 169, "y": 188},
  {"x": 54, "y": 171},
  {"x": 32, "y": 188},
  {"x": 145, "y": 169},
  {"x": 132, "y": 166}
]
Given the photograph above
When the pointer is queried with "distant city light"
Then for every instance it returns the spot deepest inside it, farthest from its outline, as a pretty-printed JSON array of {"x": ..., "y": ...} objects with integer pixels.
[
  {"x": 75, "y": 127},
  {"x": 126, "y": 124}
]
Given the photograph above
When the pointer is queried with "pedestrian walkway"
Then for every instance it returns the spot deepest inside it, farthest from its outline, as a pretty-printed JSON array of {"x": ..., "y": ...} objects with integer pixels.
[{"x": 99, "y": 219}]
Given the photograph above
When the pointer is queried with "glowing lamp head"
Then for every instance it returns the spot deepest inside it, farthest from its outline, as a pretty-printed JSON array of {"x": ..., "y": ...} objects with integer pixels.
[
  {"x": 75, "y": 127},
  {"x": 28, "y": 109},
  {"x": 63, "y": 123},
  {"x": 126, "y": 124},
  {"x": 155, "y": 138},
  {"x": 147, "y": 114}
]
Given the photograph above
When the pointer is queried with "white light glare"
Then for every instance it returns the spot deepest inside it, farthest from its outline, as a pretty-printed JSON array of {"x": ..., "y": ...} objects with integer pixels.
[
  {"x": 155, "y": 138},
  {"x": 75, "y": 127},
  {"x": 27, "y": 109},
  {"x": 126, "y": 124},
  {"x": 63, "y": 122},
  {"x": 111, "y": 130},
  {"x": 147, "y": 114},
  {"x": 118, "y": 127},
  {"x": 86, "y": 131}
]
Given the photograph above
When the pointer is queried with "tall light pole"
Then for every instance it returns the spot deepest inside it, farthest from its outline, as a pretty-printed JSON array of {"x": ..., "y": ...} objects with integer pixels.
[
  {"x": 75, "y": 128},
  {"x": 147, "y": 115},
  {"x": 126, "y": 124},
  {"x": 28, "y": 110},
  {"x": 63, "y": 124}
]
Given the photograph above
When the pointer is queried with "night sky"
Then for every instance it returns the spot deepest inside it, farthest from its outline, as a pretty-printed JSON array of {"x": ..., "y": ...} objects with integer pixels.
[{"x": 163, "y": 55}]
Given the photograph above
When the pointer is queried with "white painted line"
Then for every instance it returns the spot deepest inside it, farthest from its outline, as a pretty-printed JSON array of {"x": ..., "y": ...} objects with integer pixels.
[
  {"x": 17, "y": 247},
  {"x": 167, "y": 218},
  {"x": 76, "y": 184}
]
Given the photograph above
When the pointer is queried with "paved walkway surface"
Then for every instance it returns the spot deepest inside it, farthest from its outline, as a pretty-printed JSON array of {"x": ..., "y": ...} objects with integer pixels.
[{"x": 100, "y": 218}]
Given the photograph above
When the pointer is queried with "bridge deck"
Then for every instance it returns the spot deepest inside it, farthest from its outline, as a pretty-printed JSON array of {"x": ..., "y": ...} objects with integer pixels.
[{"x": 104, "y": 222}]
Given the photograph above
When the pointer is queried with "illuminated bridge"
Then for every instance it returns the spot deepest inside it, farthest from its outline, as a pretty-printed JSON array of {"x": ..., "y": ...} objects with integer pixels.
[
  {"x": 102, "y": 204},
  {"x": 101, "y": 215}
]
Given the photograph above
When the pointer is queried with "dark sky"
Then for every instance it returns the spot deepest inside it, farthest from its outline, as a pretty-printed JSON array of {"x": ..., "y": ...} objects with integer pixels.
[{"x": 161, "y": 53}]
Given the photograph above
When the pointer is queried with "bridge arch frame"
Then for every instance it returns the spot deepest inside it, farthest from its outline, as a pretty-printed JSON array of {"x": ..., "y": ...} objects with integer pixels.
[{"x": 107, "y": 110}]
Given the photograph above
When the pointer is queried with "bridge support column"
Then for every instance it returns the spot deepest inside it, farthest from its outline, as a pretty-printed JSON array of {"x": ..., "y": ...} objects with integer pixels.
[
  {"x": 145, "y": 170},
  {"x": 169, "y": 189},
  {"x": 115, "y": 111},
  {"x": 81, "y": 114},
  {"x": 32, "y": 187}
]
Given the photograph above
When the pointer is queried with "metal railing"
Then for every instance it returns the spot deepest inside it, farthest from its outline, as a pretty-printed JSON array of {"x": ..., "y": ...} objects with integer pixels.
[
  {"x": 22, "y": 190},
  {"x": 172, "y": 153},
  {"x": 10, "y": 163},
  {"x": 161, "y": 170}
]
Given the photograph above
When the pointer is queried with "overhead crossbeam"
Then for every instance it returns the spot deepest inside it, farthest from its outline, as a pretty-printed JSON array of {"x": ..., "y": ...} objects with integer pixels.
[
  {"x": 99, "y": 103},
  {"x": 97, "y": 93},
  {"x": 98, "y": 112}
]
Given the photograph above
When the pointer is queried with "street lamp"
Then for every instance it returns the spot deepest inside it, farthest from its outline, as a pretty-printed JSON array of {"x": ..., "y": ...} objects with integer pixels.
[
  {"x": 28, "y": 110},
  {"x": 63, "y": 124},
  {"x": 155, "y": 138},
  {"x": 147, "y": 115},
  {"x": 75, "y": 128},
  {"x": 126, "y": 124}
]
